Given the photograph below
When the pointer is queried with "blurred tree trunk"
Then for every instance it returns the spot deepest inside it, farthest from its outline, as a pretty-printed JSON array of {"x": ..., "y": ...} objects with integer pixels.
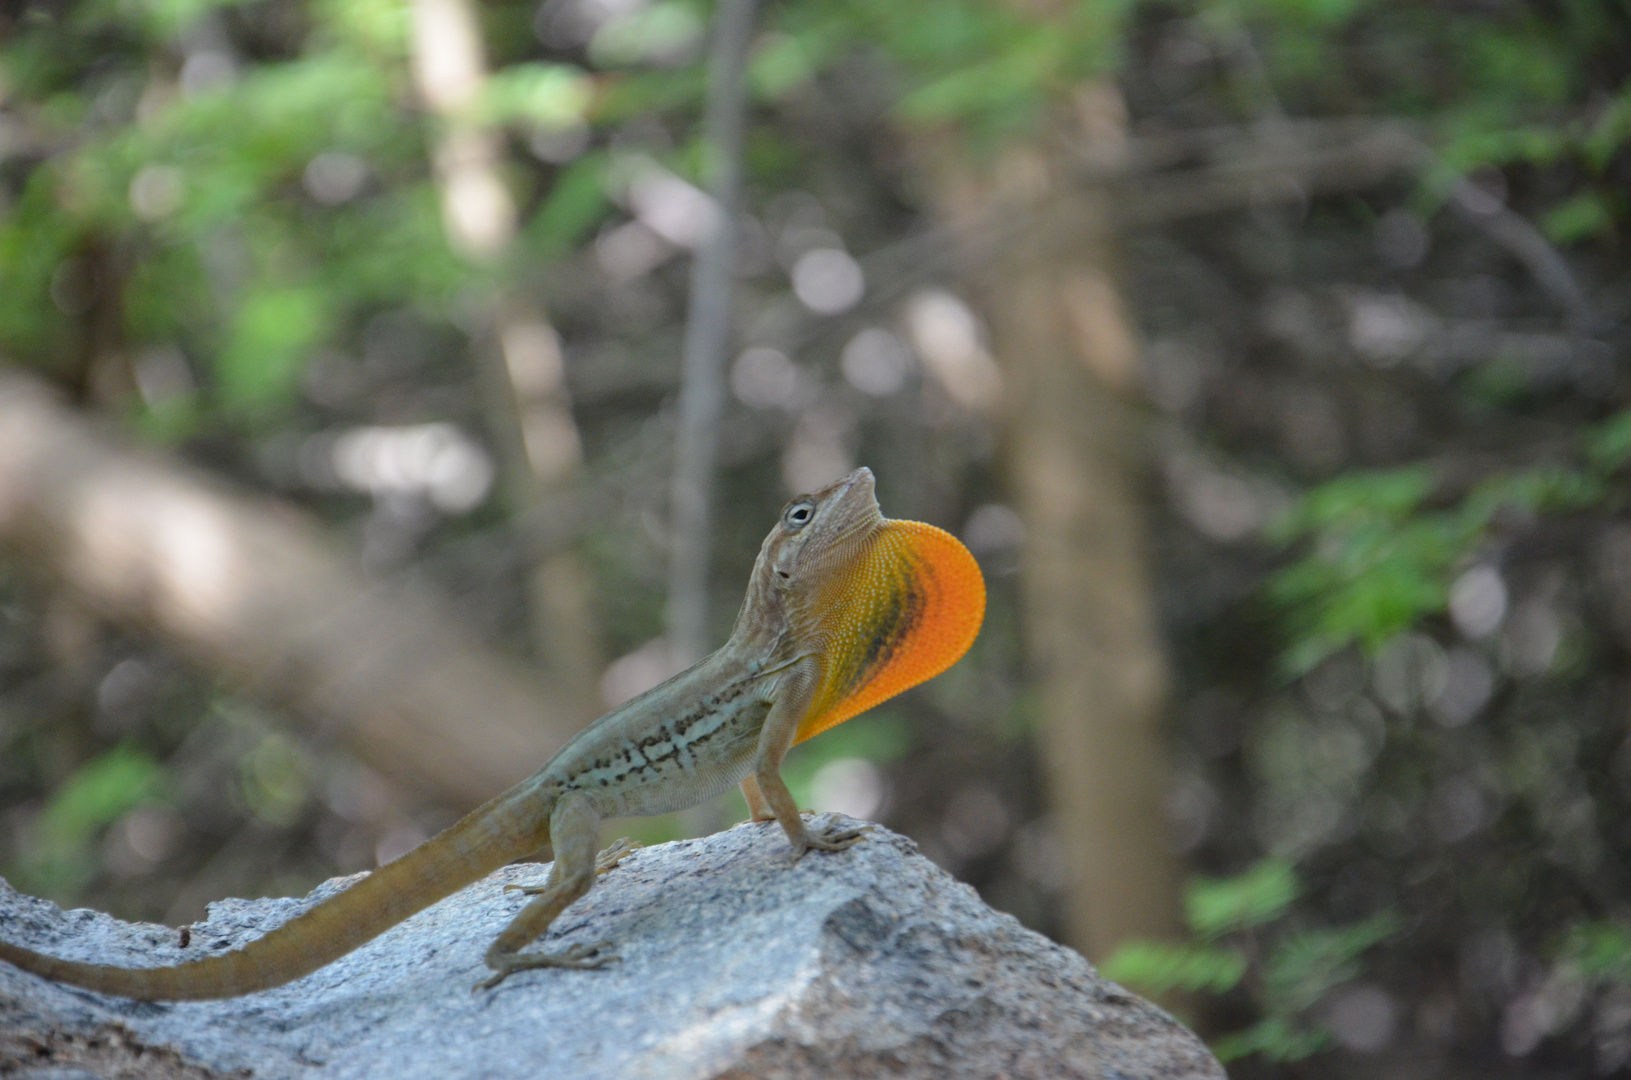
[
  {"x": 252, "y": 591},
  {"x": 517, "y": 351},
  {"x": 1063, "y": 338}
]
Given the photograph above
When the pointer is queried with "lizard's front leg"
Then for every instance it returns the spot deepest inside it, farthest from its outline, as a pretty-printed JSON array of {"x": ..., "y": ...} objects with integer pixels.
[
  {"x": 574, "y": 830},
  {"x": 775, "y": 739}
]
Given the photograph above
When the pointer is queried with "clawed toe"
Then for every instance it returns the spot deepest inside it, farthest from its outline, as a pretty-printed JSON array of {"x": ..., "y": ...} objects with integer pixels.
[
  {"x": 839, "y": 841},
  {"x": 616, "y": 853},
  {"x": 581, "y": 957}
]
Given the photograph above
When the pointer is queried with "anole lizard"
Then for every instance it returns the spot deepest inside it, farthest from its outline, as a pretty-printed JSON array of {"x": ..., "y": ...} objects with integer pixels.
[{"x": 844, "y": 609}]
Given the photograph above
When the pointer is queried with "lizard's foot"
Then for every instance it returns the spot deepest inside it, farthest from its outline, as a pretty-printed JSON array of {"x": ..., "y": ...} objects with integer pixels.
[
  {"x": 619, "y": 850},
  {"x": 838, "y": 840},
  {"x": 614, "y": 854},
  {"x": 582, "y": 957}
]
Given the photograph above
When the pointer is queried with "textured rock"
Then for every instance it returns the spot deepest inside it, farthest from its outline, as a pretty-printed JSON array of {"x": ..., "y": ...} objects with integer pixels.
[{"x": 869, "y": 963}]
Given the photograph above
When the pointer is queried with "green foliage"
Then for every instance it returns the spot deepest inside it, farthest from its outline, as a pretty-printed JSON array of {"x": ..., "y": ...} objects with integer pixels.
[
  {"x": 61, "y": 857},
  {"x": 1157, "y": 967},
  {"x": 782, "y": 63},
  {"x": 1610, "y": 131},
  {"x": 1608, "y": 445},
  {"x": 1215, "y": 906},
  {"x": 1275, "y": 1039},
  {"x": 1501, "y": 382},
  {"x": 1375, "y": 566},
  {"x": 549, "y": 95},
  {"x": 989, "y": 69},
  {"x": 1382, "y": 498},
  {"x": 200, "y": 207},
  {"x": 666, "y": 28},
  {"x": 1311, "y": 13},
  {"x": 1521, "y": 85},
  {"x": 576, "y": 204},
  {"x": 1378, "y": 562},
  {"x": 1306, "y": 964},
  {"x": 1286, "y": 971},
  {"x": 1601, "y": 950},
  {"x": 267, "y": 345},
  {"x": 1588, "y": 214}
]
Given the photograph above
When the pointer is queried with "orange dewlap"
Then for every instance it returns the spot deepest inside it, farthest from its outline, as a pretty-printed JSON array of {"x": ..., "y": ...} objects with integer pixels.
[{"x": 906, "y": 612}]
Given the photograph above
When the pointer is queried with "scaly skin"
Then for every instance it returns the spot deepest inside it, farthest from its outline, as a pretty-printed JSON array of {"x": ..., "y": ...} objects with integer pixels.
[{"x": 844, "y": 609}]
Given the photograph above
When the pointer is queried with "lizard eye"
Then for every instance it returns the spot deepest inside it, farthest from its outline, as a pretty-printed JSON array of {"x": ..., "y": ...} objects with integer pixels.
[{"x": 798, "y": 515}]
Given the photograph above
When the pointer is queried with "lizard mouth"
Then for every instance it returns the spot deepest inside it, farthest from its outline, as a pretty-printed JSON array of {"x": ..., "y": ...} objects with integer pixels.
[
  {"x": 861, "y": 477},
  {"x": 856, "y": 502}
]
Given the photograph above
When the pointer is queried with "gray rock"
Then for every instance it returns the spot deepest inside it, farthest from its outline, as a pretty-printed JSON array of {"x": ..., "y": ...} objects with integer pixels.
[{"x": 868, "y": 963}]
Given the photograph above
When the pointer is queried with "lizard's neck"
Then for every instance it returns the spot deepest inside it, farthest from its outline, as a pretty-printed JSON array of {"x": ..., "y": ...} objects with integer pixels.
[
  {"x": 783, "y": 617},
  {"x": 761, "y": 630}
]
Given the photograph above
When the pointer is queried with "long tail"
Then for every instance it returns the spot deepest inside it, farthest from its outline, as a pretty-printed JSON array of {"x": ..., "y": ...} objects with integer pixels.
[{"x": 509, "y": 827}]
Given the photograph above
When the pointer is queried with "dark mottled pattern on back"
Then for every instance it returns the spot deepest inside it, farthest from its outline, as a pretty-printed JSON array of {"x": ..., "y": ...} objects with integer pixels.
[{"x": 894, "y": 624}]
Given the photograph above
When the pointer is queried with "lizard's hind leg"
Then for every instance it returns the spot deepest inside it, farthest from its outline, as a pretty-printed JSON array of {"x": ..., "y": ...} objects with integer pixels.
[
  {"x": 574, "y": 830},
  {"x": 605, "y": 862}
]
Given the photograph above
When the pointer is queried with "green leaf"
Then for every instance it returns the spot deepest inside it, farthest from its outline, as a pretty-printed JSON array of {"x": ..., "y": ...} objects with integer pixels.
[
  {"x": 1276, "y": 1038},
  {"x": 1610, "y": 132},
  {"x": 1307, "y": 964},
  {"x": 576, "y": 204},
  {"x": 268, "y": 345},
  {"x": 667, "y": 29},
  {"x": 1379, "y": 564},
  {"x": 1155, "y": 967},
  {"x": 1214, "y": 906},
  {"x": 782, "y": 63},
  {"x": 1328, "y": 13},
  {"x": 101, "y": 791},
  {"x": 1608, "y": 445},
  {"x": 168, "y": 18},
  {"x": 1358, "y": 499},
  {"x": 554, "y": 96},
  {"x": 1601, "y": 949},
  {"x": 1584, "y": 215},
  {"x": 1502, "y": 381},
  {"x": 1545, "y": 489}
]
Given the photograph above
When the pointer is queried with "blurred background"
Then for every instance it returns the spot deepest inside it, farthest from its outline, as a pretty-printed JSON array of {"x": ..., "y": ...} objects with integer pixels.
[{"x": 392, "y": 386}]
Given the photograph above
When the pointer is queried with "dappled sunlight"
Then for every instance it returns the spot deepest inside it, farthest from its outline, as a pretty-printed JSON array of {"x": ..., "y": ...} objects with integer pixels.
[
  {"x": 142, "y": 541},
  {"x": 876, "y": 362},
  {"x": 828, "y": 281},
  {"x": 947, "y": 335},
  {"x": 435, "y": 461},
  {"x": 731, "y": 1023}
]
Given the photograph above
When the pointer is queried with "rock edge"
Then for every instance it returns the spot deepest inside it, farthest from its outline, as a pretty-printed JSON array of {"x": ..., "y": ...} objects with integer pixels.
[{"x": 868, "y": 963}]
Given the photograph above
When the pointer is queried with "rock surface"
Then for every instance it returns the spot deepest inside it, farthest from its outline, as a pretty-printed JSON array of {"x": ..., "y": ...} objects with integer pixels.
[{"x": 868, "y": 963}]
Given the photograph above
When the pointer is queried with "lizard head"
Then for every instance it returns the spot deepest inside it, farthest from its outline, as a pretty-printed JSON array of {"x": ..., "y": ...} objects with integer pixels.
[
  {"x": 820, "y": 531},
  {"x": 883, "y": 605}
]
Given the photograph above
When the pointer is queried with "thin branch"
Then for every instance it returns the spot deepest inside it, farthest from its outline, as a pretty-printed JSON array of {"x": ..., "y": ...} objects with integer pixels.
[
  {"x": 1529, "y": 246},
  {"x": 1157, "y": 180},
  {"x": 707, "y": 331}
]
